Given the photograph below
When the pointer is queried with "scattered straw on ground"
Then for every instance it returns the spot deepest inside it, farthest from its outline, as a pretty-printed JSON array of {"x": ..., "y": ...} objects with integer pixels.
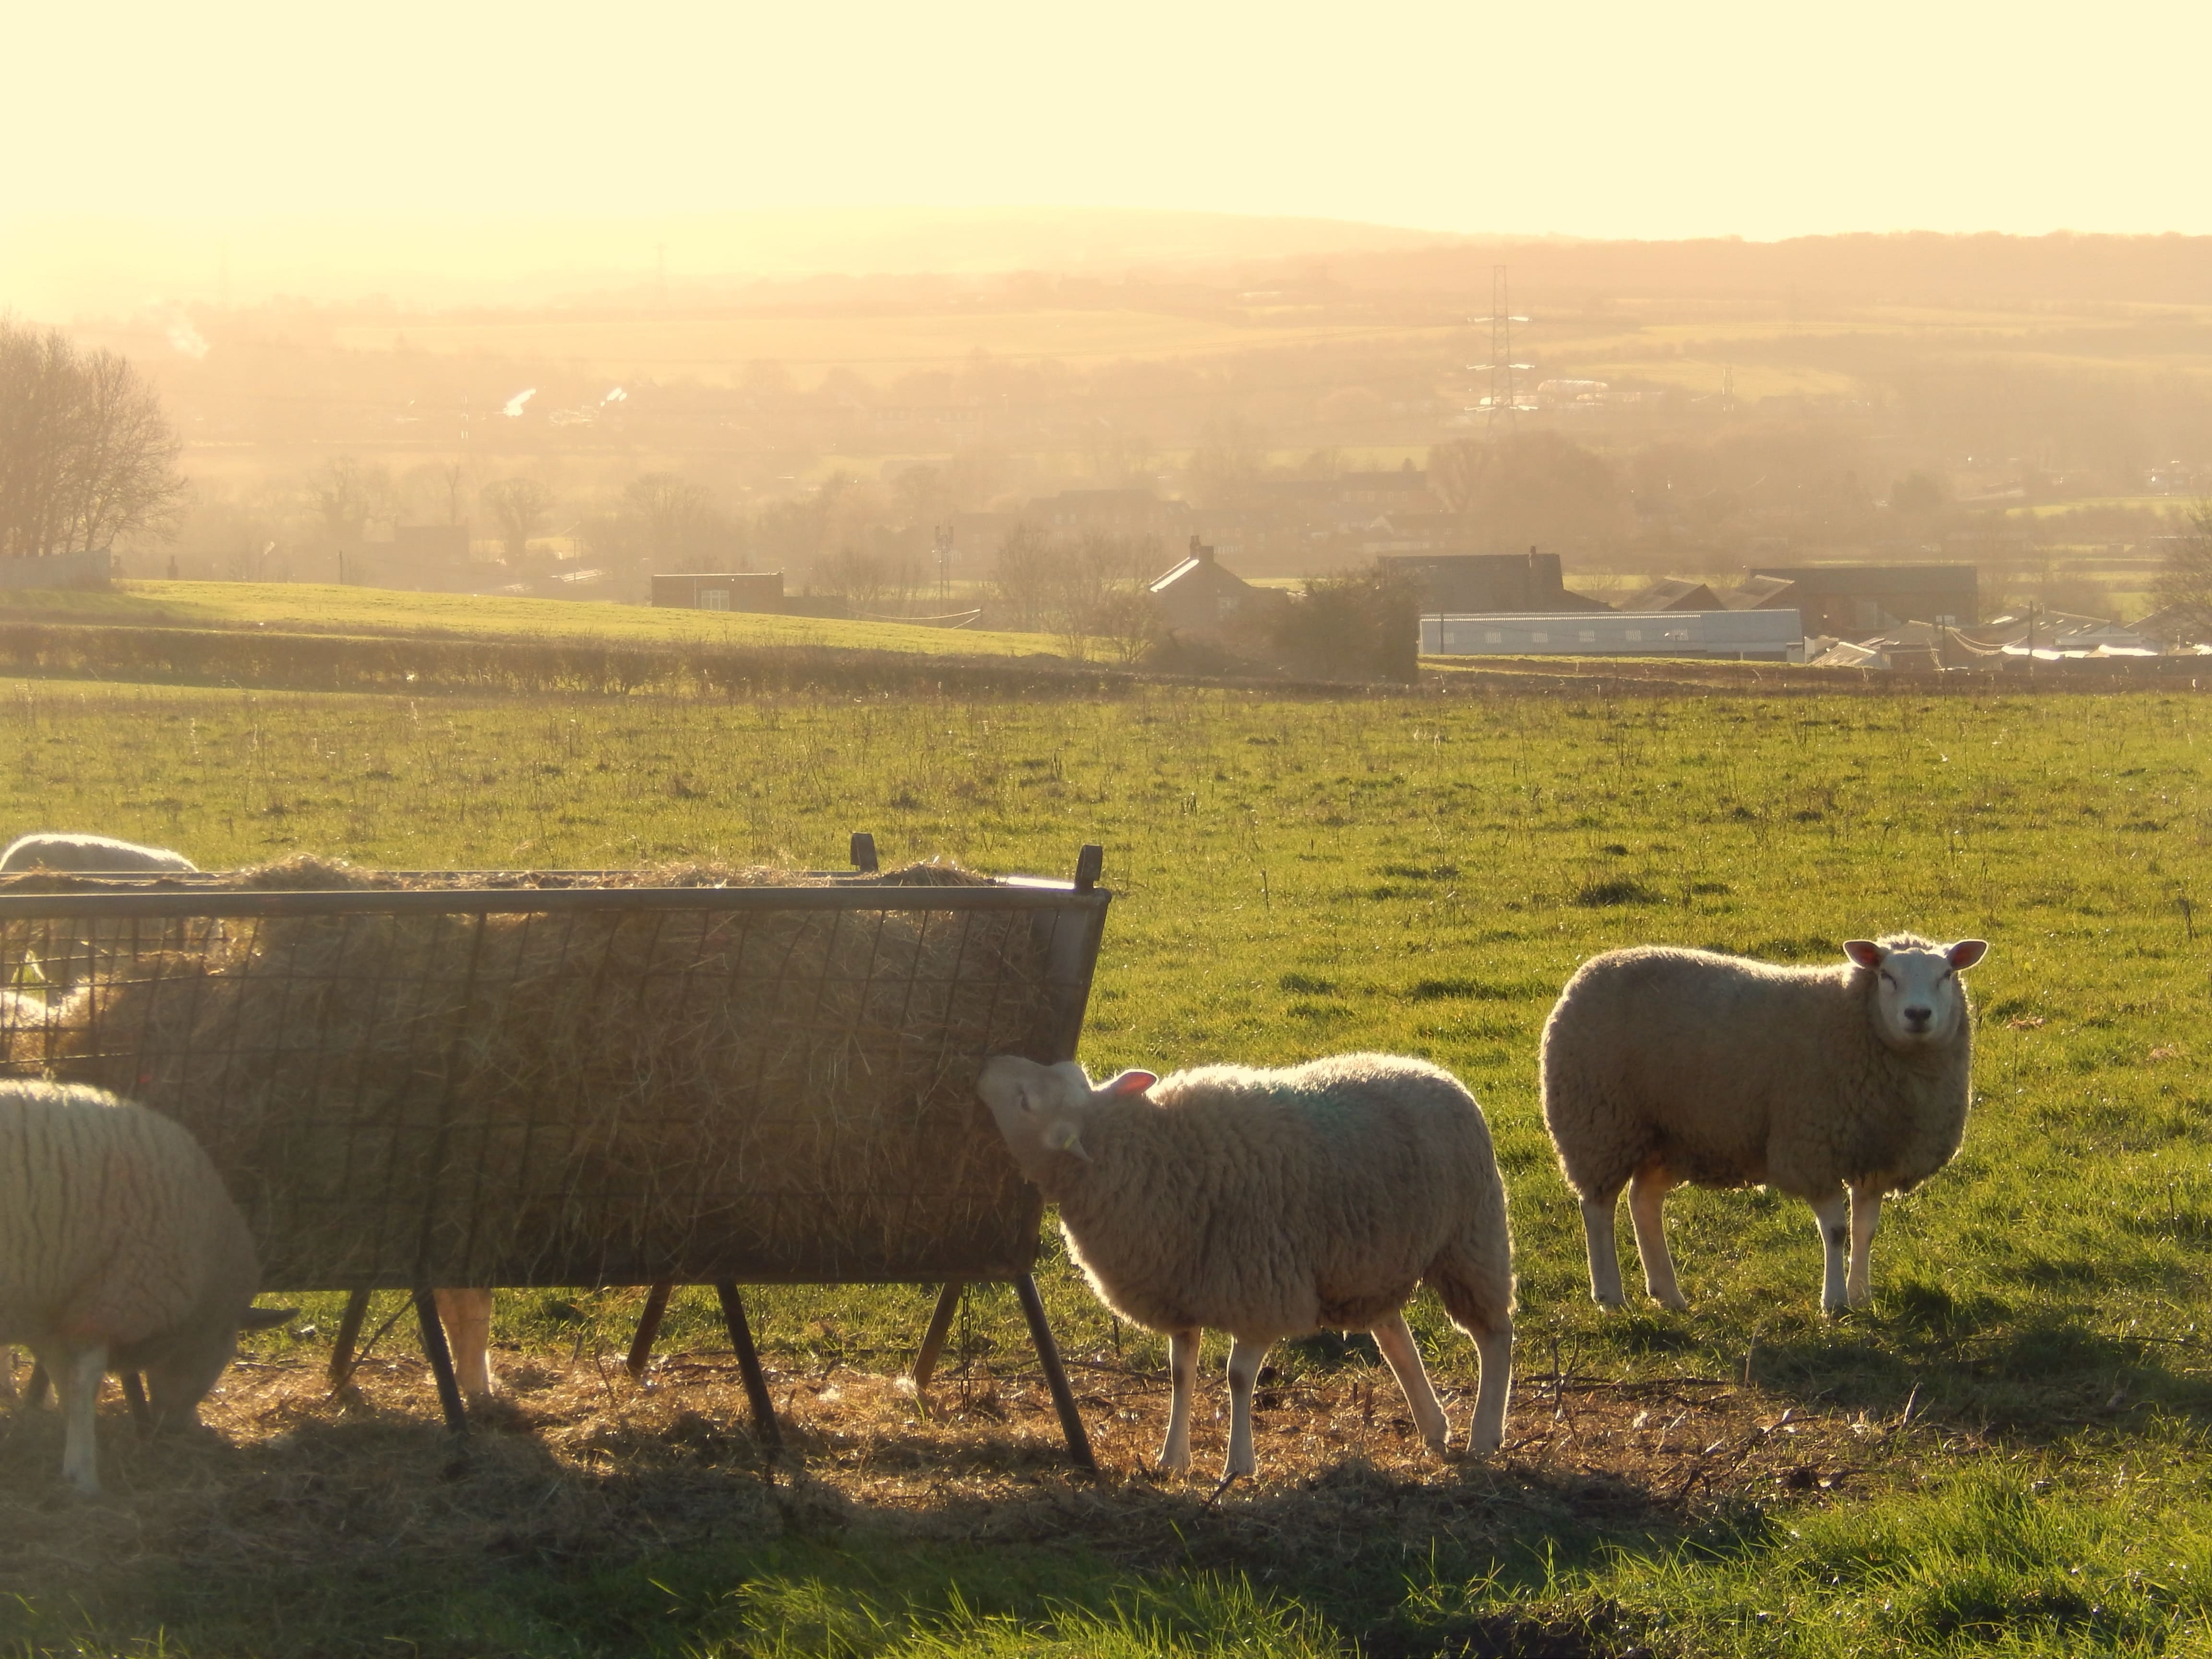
[{"x": 577, "y": 1463}]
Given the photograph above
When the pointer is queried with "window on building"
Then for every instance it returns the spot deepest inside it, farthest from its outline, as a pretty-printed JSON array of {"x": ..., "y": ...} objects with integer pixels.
[
  {"x": 1540, "y": 638},
  {"x": 1589, "y": 636},
  {"x": 1494, "y": 636},
  {"x": 714, "y": 599},
  {"x": 1634, "y": 636}
]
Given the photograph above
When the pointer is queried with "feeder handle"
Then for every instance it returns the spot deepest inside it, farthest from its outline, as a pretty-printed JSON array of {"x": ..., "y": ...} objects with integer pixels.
[
  {"x": 1089, "y": 863},
  {"x": 863, "y": 852}
]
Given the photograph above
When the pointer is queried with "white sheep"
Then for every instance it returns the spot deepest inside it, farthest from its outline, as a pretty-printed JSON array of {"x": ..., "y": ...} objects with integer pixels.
[
  {"x": 82, "y": 855},
  {"x": 1663, "y": 1066},
  {"x": 1272, "y": 1203},
  {"x": 119, "y": 1250}
]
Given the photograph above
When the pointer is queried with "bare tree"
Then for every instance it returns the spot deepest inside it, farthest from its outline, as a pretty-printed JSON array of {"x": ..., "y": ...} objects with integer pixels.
[
  {"x": 673, "y": 517},
  {"x": 1455, "y": 473},
  {"x": 86, "y": 454},
  {"x": 1023, "y": 574},
  {"x": 522, "y": 507},
  {"x": 2185, "y": 581},
  {"x": 347, "y": 494},
  {"x": 856, "y": 575}
]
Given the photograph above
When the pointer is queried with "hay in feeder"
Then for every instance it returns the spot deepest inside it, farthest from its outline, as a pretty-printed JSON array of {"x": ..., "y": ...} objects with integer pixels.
[{"x": 615, "y": 1096}]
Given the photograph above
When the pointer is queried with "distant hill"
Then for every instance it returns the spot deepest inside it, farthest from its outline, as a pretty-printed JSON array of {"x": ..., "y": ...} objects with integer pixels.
[{"x": 58, "y": 270}]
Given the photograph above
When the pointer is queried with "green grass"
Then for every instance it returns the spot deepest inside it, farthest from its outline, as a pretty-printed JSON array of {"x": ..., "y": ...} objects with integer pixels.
[
  {"x": 1416, "y": 874},
  {"x": 326, "y": 608}
]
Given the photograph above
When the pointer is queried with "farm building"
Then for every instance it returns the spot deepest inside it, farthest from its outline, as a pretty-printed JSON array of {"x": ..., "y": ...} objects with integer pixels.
[
  {"x": 725, "y": 590},
  {"x": 1200, "y": 595},
  {"x": 1741, "y": 635},
  {"x": 1481, "y": 583},
  {"x": 1678, "y": 593},
  {"x": 1855, "y": 600}
]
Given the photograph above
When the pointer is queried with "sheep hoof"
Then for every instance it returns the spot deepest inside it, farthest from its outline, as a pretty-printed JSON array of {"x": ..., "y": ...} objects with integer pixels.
[
  {"x": 1607, "y": 1301},
  {"x": 1674, "y": 1299}
]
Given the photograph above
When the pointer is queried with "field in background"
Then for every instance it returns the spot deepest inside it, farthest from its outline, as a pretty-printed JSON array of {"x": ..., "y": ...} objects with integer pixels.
[
  {"x": 2007, "y": 1453},
  {"x": 325, "y": 608}
]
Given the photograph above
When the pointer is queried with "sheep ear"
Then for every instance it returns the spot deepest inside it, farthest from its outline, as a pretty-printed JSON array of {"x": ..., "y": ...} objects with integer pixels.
[
  {"x": 1066, "y": 1136},
  {"x": 1130, "y": 1082},
  {"x": 1864, "y": 952},
  {"x": 1966, "y": 952}
]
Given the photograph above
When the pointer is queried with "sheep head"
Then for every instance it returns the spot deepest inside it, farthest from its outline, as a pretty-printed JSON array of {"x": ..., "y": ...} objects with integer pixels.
[
  {"x": 1917, "y": 1000},
  {"x": 1042, "y": 1110}
]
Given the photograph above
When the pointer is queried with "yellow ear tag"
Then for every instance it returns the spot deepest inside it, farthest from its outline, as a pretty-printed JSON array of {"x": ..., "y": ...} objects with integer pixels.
[{"x": 1066, "y": 1137}]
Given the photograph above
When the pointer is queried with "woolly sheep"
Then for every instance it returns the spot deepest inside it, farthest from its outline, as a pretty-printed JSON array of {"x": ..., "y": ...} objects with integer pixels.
[
  {"x": 1663, "y": 1067},
  {"x": 466, "y": 1314},
  {"x": 1272, "y": 1203},
  {"x": 119, "y": 1249},
  {"x": 81, "y": 854}
]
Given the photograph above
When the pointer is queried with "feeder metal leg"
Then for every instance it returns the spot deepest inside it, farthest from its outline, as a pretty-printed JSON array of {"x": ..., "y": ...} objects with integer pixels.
[
  {"x": 134, "y": 1390},
  {"x": 741, "y": 1339},
  {"x": 349, "y": 1338},
  {"x": 441, "y": 1360},
  {"x": 932, "y": 1339},
  {"x": 1055, "y": 1375},
  {"x": 648, "y": 1328}
]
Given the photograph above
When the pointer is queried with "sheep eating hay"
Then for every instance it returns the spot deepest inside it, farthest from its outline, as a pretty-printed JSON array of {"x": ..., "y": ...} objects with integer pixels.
[
  {"x": 1663, "y": 1066},
  {"x": 120, "y": 1249},
  {"x": 1272, "y": 1203}
]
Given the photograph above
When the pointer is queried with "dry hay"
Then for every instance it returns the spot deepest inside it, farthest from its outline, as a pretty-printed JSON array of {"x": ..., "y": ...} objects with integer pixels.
[
  {"x": 584, "y": 1467},
  {"x": 602, "y": 1096}
]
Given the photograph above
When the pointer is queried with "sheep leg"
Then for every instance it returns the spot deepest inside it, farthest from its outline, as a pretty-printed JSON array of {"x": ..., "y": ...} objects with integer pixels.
[
  {"x": 1866, "y": 1216},
  {"x": 1404, "y": 1358},
  {"x": 1604, "y": 1250},
  {"x": 1832, "y": 1212},
  {"x": 467, "y": 1316},
  {"x": 1245, "y": 1357},
  {"x": 1495, "y": 1348},
  {"x": 1647, "y": 1198},
  {"x": 1182, "y": 1375},
  {"x": 77, "y": 1382}
]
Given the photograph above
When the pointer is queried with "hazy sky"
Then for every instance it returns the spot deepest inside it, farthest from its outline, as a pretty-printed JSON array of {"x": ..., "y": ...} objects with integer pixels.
[{"x": 1601, "y": 120}]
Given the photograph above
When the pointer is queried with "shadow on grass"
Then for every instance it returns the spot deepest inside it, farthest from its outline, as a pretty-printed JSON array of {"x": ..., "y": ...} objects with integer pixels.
[{"x": 1975, "y": 1358}]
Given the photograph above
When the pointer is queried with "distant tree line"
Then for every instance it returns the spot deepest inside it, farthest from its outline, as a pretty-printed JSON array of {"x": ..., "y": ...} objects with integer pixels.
[{"x": 86, "y": 454}]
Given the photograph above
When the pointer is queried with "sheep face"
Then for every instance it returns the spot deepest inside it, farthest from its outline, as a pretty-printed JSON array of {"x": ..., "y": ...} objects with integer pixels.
[
  {"x": 1040, "y": 1109},
  {"x": 179, "y": 1376},
  {"x": 182, "y": 1365},
  {"x": 1918, "y": 1002}
]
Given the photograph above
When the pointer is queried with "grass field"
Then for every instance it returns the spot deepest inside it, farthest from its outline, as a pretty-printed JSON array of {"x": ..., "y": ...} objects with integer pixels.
[
  {"x": 2006, "y": 1454},
  {"x": 327, "y": 608}
]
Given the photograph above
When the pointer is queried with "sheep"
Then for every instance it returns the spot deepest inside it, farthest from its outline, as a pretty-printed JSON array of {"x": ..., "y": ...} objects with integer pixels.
[
  {"x": 1663, "y": 1067},
  {"x": 25, "y": 1023},
  {"x": 1274, "y": 1203},
  {"x": 119, "y": 1249},
  {"x": 83, "y": 854}
]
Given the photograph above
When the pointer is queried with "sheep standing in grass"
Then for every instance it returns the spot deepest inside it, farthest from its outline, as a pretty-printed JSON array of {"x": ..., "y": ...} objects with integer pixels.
[
  {"x": 1664, "y": 1067},
  {"x": 81, "y": 854},
  {"x": 119, "y": 1250},
  {"x": 1272, "y": 1203}
]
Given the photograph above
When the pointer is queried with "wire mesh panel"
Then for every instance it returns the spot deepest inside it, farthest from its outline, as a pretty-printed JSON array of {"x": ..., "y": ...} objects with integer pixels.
[{"x": 588, "y": 1085}]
